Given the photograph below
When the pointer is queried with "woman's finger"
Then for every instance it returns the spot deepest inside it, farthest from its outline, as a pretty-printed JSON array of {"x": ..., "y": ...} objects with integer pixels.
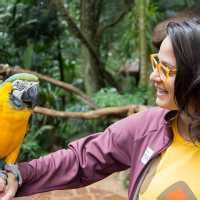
[
  {"x": 2, "y": 185},
  {"x": 9, "y": 195}
]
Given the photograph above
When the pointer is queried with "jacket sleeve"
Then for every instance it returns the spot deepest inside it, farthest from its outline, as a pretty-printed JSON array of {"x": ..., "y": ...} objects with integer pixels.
[{"x": 84, "y": 161}]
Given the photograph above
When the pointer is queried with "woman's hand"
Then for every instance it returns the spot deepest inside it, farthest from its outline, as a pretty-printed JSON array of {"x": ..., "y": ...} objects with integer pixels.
[
  {"x": 8, "y": 191},
  {"x": 2, "y": 186}
]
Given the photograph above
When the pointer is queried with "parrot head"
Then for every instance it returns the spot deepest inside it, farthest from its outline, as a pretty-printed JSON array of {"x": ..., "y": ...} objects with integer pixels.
[{"x": 23, "y": 90}]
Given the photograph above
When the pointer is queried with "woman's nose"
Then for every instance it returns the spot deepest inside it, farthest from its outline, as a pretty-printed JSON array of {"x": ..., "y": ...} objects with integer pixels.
[{"x": 155, "y": 76}]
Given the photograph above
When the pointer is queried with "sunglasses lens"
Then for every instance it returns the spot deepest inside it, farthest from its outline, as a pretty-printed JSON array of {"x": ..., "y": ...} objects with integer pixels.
[
  {"x": 156, "y": 65},
  {"x": 163, "y": 72}
]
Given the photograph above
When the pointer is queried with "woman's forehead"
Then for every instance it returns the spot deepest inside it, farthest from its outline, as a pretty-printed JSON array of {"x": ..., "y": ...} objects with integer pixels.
[{"x": 166, "y": 53}]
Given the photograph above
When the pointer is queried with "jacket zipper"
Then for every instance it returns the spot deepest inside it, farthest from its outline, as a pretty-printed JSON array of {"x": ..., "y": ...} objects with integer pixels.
[{"x": 138, "y": 184}]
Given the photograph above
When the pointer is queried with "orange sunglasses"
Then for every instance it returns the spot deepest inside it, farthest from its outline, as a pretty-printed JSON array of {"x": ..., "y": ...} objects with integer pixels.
[{"x": 164, "y": 70}]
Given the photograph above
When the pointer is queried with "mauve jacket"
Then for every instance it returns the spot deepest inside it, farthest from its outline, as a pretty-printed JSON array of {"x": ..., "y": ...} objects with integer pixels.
[{"x": 129, "y": 143}]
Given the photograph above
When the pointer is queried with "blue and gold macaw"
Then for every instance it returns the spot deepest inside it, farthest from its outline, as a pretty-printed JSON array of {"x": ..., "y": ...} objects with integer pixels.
[{"x": 18, "y": 96}]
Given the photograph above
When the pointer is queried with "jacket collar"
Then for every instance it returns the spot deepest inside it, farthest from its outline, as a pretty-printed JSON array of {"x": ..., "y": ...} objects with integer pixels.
[{"x": 170, "y": 115}]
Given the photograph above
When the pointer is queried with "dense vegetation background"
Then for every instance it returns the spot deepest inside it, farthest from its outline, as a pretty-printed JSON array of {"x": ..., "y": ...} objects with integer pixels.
[{"x": 101, "y": 47}]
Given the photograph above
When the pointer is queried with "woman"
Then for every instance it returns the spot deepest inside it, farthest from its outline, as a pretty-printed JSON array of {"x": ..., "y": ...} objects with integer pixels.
[{"x": 160, "y": 145}]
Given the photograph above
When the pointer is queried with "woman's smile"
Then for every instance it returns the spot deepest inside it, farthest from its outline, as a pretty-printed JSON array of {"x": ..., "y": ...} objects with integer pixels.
[{"x": 161, "y": 92}]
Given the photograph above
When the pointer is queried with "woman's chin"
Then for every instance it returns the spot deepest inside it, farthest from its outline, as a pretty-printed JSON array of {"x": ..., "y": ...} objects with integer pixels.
[
  {"x": 162, "y": 102},
  {"x": 165, "y": 103}
]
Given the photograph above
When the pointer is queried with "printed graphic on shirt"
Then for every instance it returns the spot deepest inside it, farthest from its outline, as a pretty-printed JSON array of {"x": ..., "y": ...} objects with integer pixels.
[{"x": 177, "y": 191}]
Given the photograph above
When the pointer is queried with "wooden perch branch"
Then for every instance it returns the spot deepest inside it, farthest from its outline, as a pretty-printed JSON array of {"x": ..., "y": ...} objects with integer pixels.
[
  {"x": 101, "y": 112},
  {"x": 98, "y": 113},
  {"x": 66, "y": 86}
]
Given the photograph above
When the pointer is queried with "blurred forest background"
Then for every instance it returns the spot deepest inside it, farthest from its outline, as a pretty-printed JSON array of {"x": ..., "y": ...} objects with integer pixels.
[{"x": 89, "y": 54}]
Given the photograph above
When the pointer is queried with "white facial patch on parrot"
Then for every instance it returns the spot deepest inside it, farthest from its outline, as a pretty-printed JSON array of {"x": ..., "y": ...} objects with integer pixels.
[{"x": 19, "y": 87}]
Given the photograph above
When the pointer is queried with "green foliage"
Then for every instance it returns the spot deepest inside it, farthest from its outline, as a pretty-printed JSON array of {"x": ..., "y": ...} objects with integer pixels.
[
  {"x": 110, "y": 10},
  {"x": 71, "y": 129},
  {"x": 33, "y": 35},
  {"x": 31, "y": 147},
  {"x": 125, "y": 35},
  {"x": 34, "y": 23},
  {"x": 108, "y": 97},
  {"x": 170, "y": 7}
]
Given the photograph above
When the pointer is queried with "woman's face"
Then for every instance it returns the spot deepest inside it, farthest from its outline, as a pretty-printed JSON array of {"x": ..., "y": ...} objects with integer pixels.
[{"x": 165, "y": 87}]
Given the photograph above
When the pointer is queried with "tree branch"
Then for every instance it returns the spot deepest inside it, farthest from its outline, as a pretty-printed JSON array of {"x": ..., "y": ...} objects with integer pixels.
[
  {"x": 117, "y": 19},
  {"x": 66, "y": 86},
  {"x": 74, "y": 29},
  {"x": 59, "y": 4},
  {"x": 98, "y": 113},
  {"x": 102, "y": 112}
]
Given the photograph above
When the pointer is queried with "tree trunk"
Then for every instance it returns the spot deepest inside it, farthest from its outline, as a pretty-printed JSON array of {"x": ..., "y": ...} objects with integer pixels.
[
  {"x": 142, "y": 43},
  {"x": 28, "y": 55},
  {"x": 93, "y": 78},
  {"x": 94, "y": 72},
  {"x": 61, "y": 67}
]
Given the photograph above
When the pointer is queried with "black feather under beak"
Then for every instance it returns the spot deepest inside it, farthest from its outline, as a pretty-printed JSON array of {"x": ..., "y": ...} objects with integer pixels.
[{"x": 30, "y": 96}]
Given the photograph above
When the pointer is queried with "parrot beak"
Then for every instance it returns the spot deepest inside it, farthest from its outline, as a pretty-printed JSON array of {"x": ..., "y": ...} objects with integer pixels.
[{"x": 30, "y": 96}]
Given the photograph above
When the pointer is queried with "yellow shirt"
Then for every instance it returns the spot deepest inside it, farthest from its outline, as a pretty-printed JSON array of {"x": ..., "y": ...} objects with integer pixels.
[{"x": 176, "y": 175}]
